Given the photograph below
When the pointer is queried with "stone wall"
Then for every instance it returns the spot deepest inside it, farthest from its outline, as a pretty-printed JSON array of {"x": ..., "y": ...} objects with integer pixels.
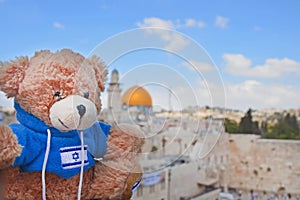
[
  {"x": 263, "y": 164},
  {"x": 183, "y": 181}
]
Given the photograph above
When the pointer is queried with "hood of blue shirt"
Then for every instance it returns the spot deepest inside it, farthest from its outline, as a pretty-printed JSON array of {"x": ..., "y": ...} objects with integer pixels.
[{"x": 32, "y": 136}]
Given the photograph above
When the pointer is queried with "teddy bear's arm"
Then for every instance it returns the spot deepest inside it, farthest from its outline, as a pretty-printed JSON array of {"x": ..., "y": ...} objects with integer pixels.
[
  {"x": 9, "y": 147},
  {"x": 119, "y": 170}
]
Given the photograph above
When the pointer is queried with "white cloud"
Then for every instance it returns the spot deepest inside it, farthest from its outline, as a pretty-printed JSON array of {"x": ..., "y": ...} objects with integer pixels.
[
  {"x": 238, "y": 64},
  {"x": 193, "y": 23},
  {"x": 157, "y": 23},
  {"x": 200, "y": 66},
  {"x": 190, "y": 22},
  {"x": 257, "y": 95},
  {"x": 210, "y": 93},
  {"x": 58, "y": 25},
  {"x": 169, "y": 24},
  {"x": 221, "y": 22},
  {"x": 198, "y": 93},
  {"x": 181, "y": 97},
  {"x": 247, "y": 94},
  {"x": 244, "y": 95},
  {"x": 200, "y": 24},
  {"x": 174, "y": 41}
]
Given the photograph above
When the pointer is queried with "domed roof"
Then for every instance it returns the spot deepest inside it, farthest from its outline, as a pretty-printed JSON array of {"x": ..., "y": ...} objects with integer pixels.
[
  {"x": 115, "y": 71},
  {"x": 136, "y": 96}
]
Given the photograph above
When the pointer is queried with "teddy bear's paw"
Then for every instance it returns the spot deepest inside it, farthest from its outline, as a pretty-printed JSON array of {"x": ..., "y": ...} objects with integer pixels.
[
  {"x": 132, "y": 182},
  {"x": 112, "y": 183},
  {"x": 9, "y": 147},
  {"x": 123, "y": 148},
  {"x": 126, "y": 137},
  {"x": 118, "y": 173}
]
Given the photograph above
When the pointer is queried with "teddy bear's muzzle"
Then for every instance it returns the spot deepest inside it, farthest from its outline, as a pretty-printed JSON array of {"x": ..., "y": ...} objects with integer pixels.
[{"x": 73, "y": 113}]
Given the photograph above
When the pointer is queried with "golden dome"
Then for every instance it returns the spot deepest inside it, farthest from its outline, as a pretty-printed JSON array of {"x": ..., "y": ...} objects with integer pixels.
[{"x": 137, "y": 96}]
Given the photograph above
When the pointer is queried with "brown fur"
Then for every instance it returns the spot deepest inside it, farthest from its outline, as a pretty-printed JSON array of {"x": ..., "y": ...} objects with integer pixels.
[
  {"x": 12, "y": 73},
  {"x": 9, "y": 147},
  {"x": 33, "y": 83}
]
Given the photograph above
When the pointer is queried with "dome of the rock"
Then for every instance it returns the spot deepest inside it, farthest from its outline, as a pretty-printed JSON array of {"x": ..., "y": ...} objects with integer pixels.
[{"x": 137, "y": 96}]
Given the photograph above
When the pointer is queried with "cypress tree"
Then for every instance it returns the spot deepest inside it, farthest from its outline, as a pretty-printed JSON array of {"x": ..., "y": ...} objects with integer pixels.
[{"x": 246, "y": 123}]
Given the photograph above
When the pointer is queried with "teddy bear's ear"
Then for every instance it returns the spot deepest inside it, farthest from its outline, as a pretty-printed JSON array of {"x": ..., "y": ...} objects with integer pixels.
[
  {"x": 100, "y": 71},
  {"x": 12, "y": 74}
]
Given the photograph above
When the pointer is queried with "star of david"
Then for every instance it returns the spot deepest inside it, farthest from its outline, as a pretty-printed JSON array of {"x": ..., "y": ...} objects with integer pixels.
[{"x": 75, "y": 156}]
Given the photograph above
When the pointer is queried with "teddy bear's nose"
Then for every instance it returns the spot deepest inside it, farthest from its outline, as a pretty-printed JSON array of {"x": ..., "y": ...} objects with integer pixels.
[{"x": 81, "y": 110}]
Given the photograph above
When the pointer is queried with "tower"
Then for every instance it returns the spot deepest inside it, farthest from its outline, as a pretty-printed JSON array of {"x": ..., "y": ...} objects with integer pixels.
[{"x": 114, "y": 93}]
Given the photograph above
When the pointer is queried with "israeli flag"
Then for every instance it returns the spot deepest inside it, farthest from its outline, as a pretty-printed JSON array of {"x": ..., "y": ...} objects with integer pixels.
[{"x": 71, "y": 157}]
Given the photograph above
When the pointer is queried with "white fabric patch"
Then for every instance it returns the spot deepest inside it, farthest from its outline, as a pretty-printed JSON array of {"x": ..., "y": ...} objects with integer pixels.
[{"x": 71, "y": 157}]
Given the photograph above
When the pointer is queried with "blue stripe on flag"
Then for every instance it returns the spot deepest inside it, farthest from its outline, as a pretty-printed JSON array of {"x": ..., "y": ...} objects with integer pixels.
[
  {"x": 72, "y": 149},
  {"x": 74, "y": 163}
]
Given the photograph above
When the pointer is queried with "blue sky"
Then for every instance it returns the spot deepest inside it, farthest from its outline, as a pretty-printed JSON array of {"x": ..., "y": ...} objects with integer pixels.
[{"x": 254, "y": 45}]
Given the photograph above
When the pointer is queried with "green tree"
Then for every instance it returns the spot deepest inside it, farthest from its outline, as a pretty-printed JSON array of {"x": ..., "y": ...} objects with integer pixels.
[
  {"x": 292, "y": 122},
  {"x": 231, "y": 126},
  {"x": 264, "y": 127},
  {"x": 286, "y": 128},
  {"x": 247, "y": 125},
  {"x": 255, "y": 128}
]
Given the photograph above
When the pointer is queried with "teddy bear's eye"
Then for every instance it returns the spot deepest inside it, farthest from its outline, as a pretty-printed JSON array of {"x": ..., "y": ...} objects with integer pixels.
[
  {"x": 57, "y": 95},
  {"x": 86, "y": 95}
]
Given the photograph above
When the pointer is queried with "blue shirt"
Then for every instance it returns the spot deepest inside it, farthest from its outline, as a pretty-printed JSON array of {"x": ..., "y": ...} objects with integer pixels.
[{"x": 65, "y": 151}]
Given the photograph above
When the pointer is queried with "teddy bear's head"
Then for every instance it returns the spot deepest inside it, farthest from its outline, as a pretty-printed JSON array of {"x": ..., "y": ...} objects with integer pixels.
[{"x": 62, "y": 89}]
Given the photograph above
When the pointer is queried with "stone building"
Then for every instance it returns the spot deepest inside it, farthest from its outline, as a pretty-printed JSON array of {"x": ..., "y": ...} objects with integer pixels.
[{"x": 186, "y": 157}]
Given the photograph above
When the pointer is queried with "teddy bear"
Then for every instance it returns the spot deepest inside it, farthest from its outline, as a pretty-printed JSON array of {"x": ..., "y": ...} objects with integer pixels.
[{"x": 58, "y": 149}]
